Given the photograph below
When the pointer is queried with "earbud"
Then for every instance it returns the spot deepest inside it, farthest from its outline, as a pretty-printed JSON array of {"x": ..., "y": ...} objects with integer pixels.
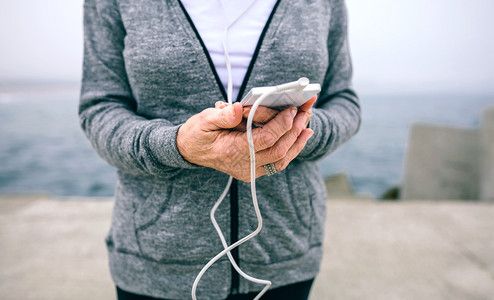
[{"x": 295, "y": 85}]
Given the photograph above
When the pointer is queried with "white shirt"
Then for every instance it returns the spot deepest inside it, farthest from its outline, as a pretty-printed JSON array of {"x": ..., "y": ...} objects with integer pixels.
[{"x": 210, "y": 19}]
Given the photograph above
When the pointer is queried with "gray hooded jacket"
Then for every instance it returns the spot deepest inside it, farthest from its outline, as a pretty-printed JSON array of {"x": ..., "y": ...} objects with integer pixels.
[{"x": 146, "y": 71}]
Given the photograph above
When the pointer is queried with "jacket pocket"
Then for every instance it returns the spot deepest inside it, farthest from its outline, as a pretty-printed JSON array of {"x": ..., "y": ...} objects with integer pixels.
[
  {"x": 129, "y": 194},
  {"x": 173, "y": 225},
  {"x": 285, "y": 205}
]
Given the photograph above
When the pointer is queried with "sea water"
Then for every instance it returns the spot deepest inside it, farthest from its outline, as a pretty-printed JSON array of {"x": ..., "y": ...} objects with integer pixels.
[{"x": 43, "y": 149}]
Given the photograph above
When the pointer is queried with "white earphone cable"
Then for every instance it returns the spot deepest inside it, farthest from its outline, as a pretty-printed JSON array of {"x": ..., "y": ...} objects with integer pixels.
[
  {"x": 293, "y": 85},
  {"x": 225, "y": 48},
  {"x": 299, "y": 84},
  {"x": 225, "y": 191},
  {"x": 227, "y": 249}
]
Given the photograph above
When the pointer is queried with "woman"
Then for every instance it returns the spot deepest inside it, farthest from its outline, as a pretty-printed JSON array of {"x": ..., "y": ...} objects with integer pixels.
[{"x": 149, "y": 106}]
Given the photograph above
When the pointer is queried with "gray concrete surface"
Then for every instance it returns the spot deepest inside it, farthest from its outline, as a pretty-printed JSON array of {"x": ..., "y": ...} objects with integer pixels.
[{"x": 53, "y": 249}]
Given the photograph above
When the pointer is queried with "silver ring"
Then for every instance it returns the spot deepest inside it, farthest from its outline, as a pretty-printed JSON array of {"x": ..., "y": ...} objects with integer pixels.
[{"x": 270, "y": 169}]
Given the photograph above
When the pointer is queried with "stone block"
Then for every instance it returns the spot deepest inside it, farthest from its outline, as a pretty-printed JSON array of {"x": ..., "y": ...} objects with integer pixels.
[
  {"x": 339, "y": 186},
  {"x": 442, "y": 163},
  {"x": 487, "y": 181}
]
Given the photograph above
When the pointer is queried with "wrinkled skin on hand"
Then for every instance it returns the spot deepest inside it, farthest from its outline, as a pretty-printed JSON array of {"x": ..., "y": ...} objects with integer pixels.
[{"x": 216, "y": 138}]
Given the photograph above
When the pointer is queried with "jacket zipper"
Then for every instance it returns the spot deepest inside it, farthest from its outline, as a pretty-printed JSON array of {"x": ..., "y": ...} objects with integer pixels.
[
  {"x": 234, "y": 233},
  {"x": 234, "y": 210}
]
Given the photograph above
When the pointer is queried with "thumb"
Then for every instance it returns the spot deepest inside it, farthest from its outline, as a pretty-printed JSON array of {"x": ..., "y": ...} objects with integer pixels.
[{"x": 225, "y": 118}]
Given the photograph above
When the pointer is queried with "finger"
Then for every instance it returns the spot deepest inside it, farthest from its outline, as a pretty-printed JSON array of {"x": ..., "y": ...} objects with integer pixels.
[
  {"x": 291, "y": 155},
  {"x": 307, "y": 109},
  {"x": 294, "y": 150},
  {"x": 215, "y": 119},
  {"x": 306, "y": 117},
  {"x": 263, "y": 114},
  {"x": 280, "y": 149},
  {"x": 308, "y": 105},
  {"x": 220, "y": 104},
  {"x": 272, "y": 131}
]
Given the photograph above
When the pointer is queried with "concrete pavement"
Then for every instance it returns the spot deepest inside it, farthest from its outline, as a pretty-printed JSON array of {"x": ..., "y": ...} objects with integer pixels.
[{"x": 53, "y": 249}]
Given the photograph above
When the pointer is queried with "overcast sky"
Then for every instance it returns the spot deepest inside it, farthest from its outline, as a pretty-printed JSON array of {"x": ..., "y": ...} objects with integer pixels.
[{"x": 438, "y": 46}]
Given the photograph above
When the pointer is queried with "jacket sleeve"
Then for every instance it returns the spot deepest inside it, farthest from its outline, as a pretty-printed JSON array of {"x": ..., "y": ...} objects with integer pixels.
[
  {"x": 107, "y": 113},
  {"x": 336, "y": 117}
]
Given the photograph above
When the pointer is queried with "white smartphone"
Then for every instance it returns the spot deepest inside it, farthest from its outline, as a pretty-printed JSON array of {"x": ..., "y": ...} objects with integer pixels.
[{"x": 284, "y": 99}]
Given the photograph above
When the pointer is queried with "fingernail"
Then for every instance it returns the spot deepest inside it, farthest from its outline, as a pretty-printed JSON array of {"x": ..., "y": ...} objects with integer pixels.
[{"x": 293, "y": 111}]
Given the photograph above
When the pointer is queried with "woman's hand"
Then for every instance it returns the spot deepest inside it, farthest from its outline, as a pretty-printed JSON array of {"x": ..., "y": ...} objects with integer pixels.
[
  {"x": 207, "y": 139},
  {"x": 265, "y": 114}
]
